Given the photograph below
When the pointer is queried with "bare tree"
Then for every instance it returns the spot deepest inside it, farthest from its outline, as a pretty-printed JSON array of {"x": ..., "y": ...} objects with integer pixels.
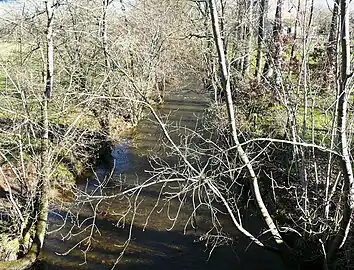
[
  {"x": 263, "y": 11},
  {"x": 41, "y": 193},
  {"x": 249, "y": 35},
  {"x": 342, "y": 129},
  {"x": 332, "y": 42},
  {"x": 298, "y": 184},
  {"x": 298, "y": 236},
  {"x": 274, "y": 58}
]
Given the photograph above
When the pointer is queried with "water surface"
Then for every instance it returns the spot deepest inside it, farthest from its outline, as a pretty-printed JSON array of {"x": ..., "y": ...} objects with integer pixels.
[{"x": 155, "y": 245}]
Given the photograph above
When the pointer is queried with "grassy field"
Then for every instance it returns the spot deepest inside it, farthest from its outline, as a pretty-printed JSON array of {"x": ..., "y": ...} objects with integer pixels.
[{"x": 6, "y": 49}]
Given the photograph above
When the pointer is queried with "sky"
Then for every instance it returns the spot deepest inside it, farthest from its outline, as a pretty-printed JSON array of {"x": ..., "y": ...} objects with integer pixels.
[
  {"x": 320, "y": 5},
  {"x": 289, "y": 6},
  {"x": 7, "y": 6}
]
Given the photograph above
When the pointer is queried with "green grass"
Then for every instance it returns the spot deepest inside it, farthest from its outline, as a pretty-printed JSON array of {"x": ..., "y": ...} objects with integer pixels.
[
  {"x": 2, "y": 82},
  {"x": 6, "y": 49}
]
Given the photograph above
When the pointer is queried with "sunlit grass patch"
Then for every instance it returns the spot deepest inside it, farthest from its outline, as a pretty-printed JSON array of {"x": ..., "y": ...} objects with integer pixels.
[{"x": 6, "y": 49}]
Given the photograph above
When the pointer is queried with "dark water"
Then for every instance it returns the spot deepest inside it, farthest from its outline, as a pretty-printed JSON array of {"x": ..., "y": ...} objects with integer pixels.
[{"x": 157, "y": 246}]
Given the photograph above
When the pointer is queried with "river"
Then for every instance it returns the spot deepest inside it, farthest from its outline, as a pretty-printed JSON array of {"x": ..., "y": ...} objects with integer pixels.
[{"x": 158, "y": 246}]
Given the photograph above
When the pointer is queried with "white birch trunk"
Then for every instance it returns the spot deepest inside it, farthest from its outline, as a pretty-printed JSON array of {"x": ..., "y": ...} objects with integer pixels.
[{"x": 230, "y": 108}]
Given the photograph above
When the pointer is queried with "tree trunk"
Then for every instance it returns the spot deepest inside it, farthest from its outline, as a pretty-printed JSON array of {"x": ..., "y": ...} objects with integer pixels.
[
  {"x": 104, "y": 118},
  {"x": 277, "y": 48},
  {"x": 345, "y": 160},
  {"x": 332, "y": 49},
  {"x": 231, "y": 114},
  {"x": 263, "y": 11},
  {"x": 292, "y": 60},
  {"x": 41, "y": 200},
  {"x": 249, "y": 35}
]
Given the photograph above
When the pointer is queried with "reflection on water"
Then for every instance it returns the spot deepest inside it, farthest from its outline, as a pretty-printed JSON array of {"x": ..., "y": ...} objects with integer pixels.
[
  {"x": 153, "y": 246},
  {"x": 120, "y": 156}
]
